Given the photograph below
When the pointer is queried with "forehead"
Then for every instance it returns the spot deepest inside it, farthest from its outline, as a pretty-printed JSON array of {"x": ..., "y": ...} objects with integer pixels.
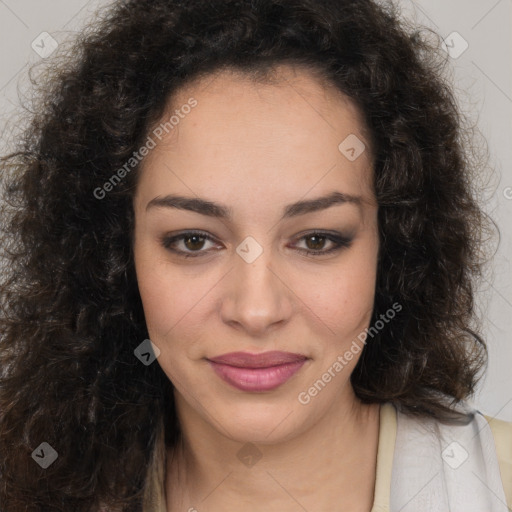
[
  {"x": 302, "y": 93},
  {"x": 246, "y": 134}
]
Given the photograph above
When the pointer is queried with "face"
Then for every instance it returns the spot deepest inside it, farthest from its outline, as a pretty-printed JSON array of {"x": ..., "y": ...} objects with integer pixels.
[{"x": 235, "y": 251}]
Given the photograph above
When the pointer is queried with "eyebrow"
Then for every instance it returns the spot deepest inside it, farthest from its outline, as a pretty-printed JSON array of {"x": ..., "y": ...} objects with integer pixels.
[{"x": 211, "y": 209}]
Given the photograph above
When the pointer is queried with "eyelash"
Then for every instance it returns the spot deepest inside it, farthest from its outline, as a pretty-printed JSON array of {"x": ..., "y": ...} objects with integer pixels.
[{"x": 340, "y": 242}]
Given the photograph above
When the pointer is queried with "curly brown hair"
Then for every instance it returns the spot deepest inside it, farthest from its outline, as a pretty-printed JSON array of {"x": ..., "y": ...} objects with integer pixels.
[{"x": 71, "y": 313}]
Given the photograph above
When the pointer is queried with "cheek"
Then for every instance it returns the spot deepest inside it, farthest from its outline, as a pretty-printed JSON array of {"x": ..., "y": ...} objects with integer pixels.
[
  {"x": 169, "y": 297},
  {"x": 172, "y": 307},
  {"x": 342, "y": 295}
]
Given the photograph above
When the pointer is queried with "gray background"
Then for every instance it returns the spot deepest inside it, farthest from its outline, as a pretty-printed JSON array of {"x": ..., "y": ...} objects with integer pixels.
[{"x": 482, "y": 76}]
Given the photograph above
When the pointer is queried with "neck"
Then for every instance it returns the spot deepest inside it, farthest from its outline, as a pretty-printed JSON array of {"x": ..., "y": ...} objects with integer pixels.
[{"x": 330, "y": 465}]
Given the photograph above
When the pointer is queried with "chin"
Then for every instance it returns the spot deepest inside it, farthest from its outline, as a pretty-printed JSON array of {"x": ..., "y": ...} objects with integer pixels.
[{"x": 259, "y": 423}]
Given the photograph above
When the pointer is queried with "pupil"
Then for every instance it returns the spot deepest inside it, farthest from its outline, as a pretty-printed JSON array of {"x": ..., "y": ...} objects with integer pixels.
[
  {"x": 320, "y": 239},
  {"x": 196, "y": 244}
]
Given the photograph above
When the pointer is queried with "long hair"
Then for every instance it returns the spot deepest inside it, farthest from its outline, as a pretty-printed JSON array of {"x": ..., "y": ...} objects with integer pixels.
[{"x": 71, "y": 315}]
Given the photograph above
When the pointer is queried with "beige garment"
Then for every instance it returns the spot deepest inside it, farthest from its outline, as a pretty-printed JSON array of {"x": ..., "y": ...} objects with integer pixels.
[{"x": 154, "y": 497}]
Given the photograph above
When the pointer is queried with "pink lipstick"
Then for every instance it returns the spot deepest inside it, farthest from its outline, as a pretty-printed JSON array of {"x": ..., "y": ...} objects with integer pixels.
[{"x": 257, "y": 372}]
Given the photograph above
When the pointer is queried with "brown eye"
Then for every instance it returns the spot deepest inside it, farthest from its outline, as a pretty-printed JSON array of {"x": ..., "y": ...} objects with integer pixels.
[
  {"x": 192, "y": 244},
  {"x": 315, "y": 243}
]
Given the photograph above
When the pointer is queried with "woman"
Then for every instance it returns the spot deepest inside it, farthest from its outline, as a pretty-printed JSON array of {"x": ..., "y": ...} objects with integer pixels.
[{"x": 243, "y": 244}]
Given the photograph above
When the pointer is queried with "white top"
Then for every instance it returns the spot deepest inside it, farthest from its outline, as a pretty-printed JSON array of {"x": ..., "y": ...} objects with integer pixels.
[{"x": 436, "y": 467}]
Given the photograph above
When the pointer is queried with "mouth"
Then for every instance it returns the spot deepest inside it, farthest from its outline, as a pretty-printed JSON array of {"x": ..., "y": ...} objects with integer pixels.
[{"x": 257, "y": 372}]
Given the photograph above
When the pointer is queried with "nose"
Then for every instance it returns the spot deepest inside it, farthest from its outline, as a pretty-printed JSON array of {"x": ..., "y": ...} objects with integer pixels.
[{"x": 257, "y": 297}]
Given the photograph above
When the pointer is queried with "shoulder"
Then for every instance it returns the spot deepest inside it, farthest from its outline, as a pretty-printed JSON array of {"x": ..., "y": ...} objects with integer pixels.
[
  {"x": 502, "y": 434},
  {"x": 464, "y": 460}
]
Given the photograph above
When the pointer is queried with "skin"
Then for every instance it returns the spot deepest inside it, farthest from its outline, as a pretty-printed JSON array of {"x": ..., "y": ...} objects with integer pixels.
[{"x": 257, "y": 148}]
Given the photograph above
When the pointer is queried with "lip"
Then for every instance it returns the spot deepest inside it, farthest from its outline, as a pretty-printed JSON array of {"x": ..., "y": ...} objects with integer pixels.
[{"x": 257, "y": 372}]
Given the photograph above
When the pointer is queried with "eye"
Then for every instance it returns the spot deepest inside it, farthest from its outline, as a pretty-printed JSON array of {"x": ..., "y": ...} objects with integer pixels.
[
  {"x": 193, "y": 243},
  {"x": 316, "y": 240}
]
